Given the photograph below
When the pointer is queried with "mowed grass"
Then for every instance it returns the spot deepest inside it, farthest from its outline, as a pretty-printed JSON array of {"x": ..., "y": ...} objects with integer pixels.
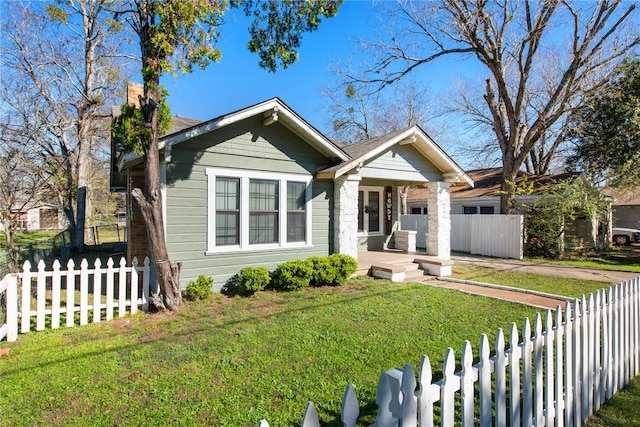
[
  {"x": 568, "y": 287},
  {"x": 612, "y": 261},
  {"x": 235, "y": 361},
  {"x": 623, "y": 410}
]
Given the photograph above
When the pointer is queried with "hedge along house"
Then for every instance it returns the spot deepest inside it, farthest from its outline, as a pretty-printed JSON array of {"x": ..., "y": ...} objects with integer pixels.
[{"x": 261, "y": 186}]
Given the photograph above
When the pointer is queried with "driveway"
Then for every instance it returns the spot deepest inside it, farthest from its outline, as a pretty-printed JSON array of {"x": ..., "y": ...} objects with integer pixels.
[{"x": 546, "y": 269}]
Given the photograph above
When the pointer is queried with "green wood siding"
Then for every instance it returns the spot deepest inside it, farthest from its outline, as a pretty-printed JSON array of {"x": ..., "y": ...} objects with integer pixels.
[
  {"x": 247, "y": 145},
  {"x": 401, "y": 162}
]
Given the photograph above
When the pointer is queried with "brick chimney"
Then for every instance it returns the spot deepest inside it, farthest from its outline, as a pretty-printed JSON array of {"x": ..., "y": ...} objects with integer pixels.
[{"x": 134, "y": 91}]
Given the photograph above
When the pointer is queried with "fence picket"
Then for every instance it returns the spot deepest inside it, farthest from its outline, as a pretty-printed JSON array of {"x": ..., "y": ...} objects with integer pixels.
[
  {"x": 425, "y": 394},
  {"x": 55, "y": 295},
  {"x": 484, "y": 378},
  {"x": 549, "y": 399},
  {"x": 500, "y": 372},
  {"x": 527, "y": 375},
  {"x": 71, "y": 289},
  {"x": 41, "y": 302},
  {"x": 514, "y": 376},
  {"x": 585, "y": 362},
  {"x": 134, "y": 286},
  {"x": 97, "y": 291},
  {"x": 25, "y": 306},
  {"x": 559, "y": 372},
  {"x": 597, "y": 352},
  {"x": 110, "y": 283},
  {"x": 577, "y": 363},
  {"x": 467, "y": 381},
  {"x": 409, "y": 412},
  {"x": 568, "y": 364},
  {"x": 450, "y": 384},
  {"x": 610, "y": 342},
  {"x": 84, "y": 292},
  {"x": 122, "y": 288},
  {"x": 310, "y": 418},
  {"x": 350, "y": 410},
  {"x": 538, "y": 401}
]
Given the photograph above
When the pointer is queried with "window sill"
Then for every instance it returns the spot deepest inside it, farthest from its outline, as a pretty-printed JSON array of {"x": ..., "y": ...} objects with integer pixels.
[{"x": 256, "y": 248}]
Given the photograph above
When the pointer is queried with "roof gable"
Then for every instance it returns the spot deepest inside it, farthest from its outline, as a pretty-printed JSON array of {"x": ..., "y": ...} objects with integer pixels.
[
  {"x": 365, "y": 151},
  {"x": 273, "y": 110}
]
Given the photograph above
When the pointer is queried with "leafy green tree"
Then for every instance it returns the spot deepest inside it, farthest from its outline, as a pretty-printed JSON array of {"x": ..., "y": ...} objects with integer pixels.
[
  {"x": 175, "y": 36},
  {"x": 606, "y": 131},
  {"x": 550, "y": 216}
]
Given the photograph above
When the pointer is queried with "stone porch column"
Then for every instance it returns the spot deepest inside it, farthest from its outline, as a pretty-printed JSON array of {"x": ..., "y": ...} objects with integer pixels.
[
  {"x": 439, "y": 224},
  {"x": 345, "y": 213}
]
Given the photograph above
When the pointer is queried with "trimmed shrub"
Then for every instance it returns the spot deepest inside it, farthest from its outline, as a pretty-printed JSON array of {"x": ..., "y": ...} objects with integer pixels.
[
  {"x": 323, "y": 272},
  {"x": 344, "y": 266},
  {"x": 252, "y": 280},
  {"x": 291, "y": 275},
  {"x": 200, "y": 289}
]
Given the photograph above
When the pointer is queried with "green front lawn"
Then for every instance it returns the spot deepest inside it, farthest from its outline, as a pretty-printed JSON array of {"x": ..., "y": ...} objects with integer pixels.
[
  {"x": 612, "y": 261},
  {"x": 568, "y": 287},
  {"x": 234, "y": 361}
]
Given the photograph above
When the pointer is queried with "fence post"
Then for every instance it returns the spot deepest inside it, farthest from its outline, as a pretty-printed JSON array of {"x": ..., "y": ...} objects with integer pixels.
[{"x": 12, "y": 308}]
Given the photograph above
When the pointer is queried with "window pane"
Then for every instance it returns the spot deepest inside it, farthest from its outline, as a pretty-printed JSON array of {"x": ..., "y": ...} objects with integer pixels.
[
  {"x": 296, "y": 217},
  {"x": 469, "y": 210},
  {"x": 263, "y": 211},
  {"x": 263, "y": 227},
  {"x": 487, "y": 210},
  {"x": 263, "y": 195},
  {"x": 227, "y": 193},
  {"x": 360, "y": 210},
  {"x": 227, "y": 228},
  {"x": 374, "y": 211},
  {"x": 227, "y": 211}
]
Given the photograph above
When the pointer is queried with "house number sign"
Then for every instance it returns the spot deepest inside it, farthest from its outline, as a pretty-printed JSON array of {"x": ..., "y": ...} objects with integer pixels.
[{"x": 388, "y": 209}]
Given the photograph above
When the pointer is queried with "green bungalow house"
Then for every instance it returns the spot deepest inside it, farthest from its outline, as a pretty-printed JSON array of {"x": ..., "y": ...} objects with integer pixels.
[{"x": 260, "y": 186}]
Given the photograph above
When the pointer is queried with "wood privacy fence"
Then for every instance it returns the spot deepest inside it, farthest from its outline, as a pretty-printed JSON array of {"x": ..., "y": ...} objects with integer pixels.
[
  {"x": 68, "y": 297},
  {"x": 559, "y": 376},
  {"x": 490, "y": 235}
]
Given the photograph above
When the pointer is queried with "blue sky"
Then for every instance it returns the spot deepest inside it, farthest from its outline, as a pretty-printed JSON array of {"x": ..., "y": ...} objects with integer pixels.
[{"x": 237, "y": 81}]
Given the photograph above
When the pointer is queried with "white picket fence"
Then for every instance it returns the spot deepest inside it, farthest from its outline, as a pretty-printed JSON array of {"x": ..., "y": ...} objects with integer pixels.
[
  {"x": 104, "y": 292},
  {"x": 558, "y": 377}
]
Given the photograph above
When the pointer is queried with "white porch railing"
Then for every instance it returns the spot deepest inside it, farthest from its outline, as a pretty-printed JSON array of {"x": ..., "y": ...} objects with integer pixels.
[
  {"x": 559, "y": 376},
  {"x": 53, "y": 298}
]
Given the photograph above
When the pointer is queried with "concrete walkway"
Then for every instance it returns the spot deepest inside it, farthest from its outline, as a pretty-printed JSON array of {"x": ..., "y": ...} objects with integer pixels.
[
  {"x": 522, "y": 296},
  {"x": 505, "y": 293}
]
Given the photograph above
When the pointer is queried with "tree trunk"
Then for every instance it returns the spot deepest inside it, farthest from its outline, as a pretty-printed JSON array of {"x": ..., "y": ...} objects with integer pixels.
[
  {"x": 150, "y": 202},
  {"x": 12, "y": 253},
  {"x": 508, "y": 192}
]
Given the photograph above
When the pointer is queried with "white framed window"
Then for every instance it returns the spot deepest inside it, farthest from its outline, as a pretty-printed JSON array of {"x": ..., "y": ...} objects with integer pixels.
[
  {"x": 370, "y": 210},
  {"x": 254, "y": 210}
]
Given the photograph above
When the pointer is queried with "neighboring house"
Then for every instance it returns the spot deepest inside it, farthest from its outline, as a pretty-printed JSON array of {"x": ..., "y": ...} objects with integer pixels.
[
  {"x": 484, "y": 198},
  {"x": 261, "y": 186},
  {"x": 625, "y": 206},
  {"x": 35, "y": 216}
]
